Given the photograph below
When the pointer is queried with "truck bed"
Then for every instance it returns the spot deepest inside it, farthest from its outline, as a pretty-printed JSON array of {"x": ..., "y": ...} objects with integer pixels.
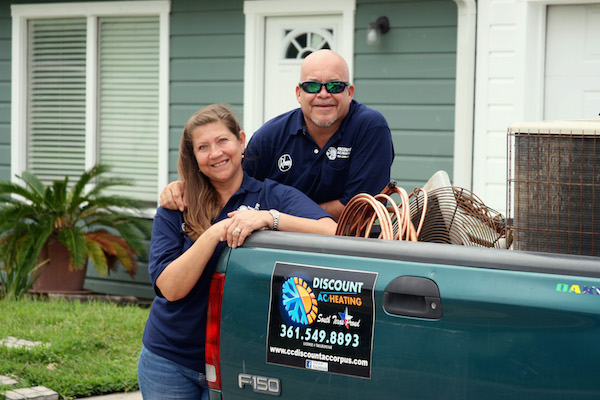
[{"x": 425, "y": 321}]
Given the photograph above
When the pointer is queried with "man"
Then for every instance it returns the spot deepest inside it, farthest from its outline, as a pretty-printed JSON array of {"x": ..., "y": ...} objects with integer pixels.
[{"x": 331, "y": 148}]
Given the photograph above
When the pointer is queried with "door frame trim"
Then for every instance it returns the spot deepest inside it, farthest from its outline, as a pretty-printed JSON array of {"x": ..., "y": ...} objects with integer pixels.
[
  {"x": 256, "y": 13},
  {"x": 464, "y": 101}
]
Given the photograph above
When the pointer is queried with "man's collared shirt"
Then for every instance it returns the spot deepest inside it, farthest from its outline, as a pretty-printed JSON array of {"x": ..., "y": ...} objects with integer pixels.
[{"x": 356, "y": 159}]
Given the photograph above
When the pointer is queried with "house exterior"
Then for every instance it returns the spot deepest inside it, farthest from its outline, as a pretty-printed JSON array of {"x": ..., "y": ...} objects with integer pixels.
[
  {"x": 536, "y": 60},
  {"x": 115, "y": 81}
]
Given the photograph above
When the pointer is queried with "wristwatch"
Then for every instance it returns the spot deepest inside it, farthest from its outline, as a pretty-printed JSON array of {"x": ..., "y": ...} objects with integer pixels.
[{"x": 275, "y": 215}]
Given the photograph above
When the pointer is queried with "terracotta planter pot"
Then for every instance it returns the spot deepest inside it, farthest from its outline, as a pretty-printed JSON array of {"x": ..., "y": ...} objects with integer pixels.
[{"x": 55, "y": 276}]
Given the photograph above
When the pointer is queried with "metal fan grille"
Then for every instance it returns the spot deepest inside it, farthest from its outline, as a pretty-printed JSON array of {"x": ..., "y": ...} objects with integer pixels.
[
  {"x": 555, "y": 192},
  {"x": 455, "y": 215}
]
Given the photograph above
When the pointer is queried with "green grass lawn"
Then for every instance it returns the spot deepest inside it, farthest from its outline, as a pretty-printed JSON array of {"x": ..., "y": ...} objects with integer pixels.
[{"x": 91, "y": 348}]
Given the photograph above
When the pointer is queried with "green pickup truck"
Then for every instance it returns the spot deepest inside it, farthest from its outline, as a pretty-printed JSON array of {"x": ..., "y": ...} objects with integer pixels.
[{"x": 316, "y": 317}]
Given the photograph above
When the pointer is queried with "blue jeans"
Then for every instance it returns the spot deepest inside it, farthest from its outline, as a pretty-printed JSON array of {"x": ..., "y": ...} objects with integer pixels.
[{"x": 162, "y": 379}]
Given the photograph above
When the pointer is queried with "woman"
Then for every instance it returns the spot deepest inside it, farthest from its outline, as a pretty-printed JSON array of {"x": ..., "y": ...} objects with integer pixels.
[{"x": 223, "y": 205}]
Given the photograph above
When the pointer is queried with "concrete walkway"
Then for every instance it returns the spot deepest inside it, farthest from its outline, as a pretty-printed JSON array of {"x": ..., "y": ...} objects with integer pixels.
[
  {"x": 118, "y": 396},
  {"x": 43, "y": 393}
]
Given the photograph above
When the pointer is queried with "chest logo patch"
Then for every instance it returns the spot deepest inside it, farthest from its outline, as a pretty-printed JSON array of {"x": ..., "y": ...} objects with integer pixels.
[
  {"x": 285, "y": 163},
  {"x": 331, "y": 153},
  {"x": 338, "y": 152},
  {"x": 244, "y": 207}
]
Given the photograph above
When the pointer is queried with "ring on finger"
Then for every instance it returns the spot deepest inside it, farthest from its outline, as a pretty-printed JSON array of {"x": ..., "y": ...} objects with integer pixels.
[{"x": 237, "y": 229}]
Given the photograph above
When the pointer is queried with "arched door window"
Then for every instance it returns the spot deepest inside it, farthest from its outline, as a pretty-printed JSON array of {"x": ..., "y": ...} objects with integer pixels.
[{"x": 299, "y": 43}]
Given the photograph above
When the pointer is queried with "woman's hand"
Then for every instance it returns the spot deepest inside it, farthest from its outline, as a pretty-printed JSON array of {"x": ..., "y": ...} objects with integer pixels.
[{"x": 241, "y": 224}]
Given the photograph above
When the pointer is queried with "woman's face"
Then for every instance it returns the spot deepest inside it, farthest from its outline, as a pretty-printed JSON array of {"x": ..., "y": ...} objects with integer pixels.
[{"x": 218, "y": 152}]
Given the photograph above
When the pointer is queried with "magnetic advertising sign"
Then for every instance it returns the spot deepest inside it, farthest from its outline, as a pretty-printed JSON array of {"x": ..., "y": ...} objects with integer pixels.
[{"x": 321, "y": 319}]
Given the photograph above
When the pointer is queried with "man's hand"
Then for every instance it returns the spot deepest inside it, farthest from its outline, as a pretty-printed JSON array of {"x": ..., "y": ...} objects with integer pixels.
[{"x": 172, "y": 197}]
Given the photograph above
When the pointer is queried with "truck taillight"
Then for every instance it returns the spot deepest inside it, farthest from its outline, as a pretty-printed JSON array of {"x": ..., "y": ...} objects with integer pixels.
[{"x": 213, "y": 332}]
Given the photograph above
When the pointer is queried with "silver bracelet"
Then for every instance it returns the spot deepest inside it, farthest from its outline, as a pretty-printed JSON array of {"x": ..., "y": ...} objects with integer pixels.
[{"x": 275, "y": 215}]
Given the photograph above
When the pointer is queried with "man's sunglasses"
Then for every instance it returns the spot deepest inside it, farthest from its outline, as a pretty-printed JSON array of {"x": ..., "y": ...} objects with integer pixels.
[{"x": 314, "y": 87}]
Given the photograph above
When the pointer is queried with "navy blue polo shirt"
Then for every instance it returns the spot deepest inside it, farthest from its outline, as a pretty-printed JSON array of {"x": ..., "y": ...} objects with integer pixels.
[
  {"x": 356, "y": 159},
  {"x": 177, "y": 330}
]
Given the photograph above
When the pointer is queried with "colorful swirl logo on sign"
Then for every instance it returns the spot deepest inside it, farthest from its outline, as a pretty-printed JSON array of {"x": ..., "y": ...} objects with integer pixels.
[{"x": 299, "y": 301}]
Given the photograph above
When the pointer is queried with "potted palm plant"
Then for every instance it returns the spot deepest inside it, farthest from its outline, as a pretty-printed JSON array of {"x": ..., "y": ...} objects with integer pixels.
[{"x": 56, "y": 228}]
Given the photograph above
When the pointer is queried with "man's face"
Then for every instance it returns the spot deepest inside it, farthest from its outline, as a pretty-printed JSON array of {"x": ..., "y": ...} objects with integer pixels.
[{"x": 324, "y": 109}]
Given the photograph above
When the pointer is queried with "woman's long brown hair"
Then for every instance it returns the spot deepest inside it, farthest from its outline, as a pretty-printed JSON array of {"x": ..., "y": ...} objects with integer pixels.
[{"x": 202, "y": 200}]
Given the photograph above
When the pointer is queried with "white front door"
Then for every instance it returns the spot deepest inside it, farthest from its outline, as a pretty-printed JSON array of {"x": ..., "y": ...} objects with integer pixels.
[
  {"x": 572, "y": 79},
  {"x": 288, "y": 41}
]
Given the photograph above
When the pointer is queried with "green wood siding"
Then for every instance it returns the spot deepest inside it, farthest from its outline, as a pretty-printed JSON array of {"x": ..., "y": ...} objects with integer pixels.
[
  {"x": 207, "y": 62},
  {"x": 5, "y": 71},
  {"x": 410, "y": 78}
]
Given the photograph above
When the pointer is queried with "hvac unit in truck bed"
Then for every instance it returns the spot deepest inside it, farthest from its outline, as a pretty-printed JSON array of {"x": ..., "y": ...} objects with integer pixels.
[{"x": 554, "y": 186}]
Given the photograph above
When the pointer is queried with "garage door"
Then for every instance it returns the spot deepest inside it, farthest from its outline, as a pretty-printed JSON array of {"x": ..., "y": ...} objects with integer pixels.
[{"x": 572, "y": 79}]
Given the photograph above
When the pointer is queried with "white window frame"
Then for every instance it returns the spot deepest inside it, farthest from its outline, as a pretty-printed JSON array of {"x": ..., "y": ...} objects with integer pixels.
[
  {"x": 256, "y": 14},
  {"x": 92, "y": 11}
]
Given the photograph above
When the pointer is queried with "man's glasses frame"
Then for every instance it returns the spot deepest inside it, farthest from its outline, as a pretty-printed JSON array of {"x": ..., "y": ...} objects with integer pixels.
[{"x": 333, "y": 87}]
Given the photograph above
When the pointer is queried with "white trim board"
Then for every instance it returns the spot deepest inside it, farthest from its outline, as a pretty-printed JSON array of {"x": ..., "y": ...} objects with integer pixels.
[{"x": 464, "y": 102}]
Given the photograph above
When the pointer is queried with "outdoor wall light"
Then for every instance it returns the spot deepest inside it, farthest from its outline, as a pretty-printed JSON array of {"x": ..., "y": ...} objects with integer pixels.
[{"x": 376, "y": 29}]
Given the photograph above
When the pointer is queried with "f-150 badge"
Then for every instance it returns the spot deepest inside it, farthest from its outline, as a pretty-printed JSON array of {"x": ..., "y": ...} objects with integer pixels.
[{"x": 260, "y": 384}]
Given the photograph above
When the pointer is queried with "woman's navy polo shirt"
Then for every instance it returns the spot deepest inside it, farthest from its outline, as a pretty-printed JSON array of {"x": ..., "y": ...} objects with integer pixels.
[
  {"x": 177, "y": 330},
  {"x": 356, "y": 159}
]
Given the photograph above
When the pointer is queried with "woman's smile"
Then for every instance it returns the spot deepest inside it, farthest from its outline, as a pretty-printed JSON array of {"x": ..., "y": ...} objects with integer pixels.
[{"x": 221, "y": 163}]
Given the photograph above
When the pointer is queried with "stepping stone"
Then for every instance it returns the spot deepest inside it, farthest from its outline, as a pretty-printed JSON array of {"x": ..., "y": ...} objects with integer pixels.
[
  {"x": 7, "y": 380},
  {"x": 33, "y": 393},
  {"x": 13, "y": 342}
]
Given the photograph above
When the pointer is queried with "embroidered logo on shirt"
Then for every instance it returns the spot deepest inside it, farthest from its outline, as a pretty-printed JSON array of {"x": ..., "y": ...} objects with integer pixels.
[
  {"x": 331, "y": 153},
  {"x": 339, "y": 152},
  {"x": 244, "y": 207},
  {"x": 285, "y": 163}
]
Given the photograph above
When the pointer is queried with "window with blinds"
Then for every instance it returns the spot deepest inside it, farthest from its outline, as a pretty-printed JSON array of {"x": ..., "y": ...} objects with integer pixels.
[
  {"x": 127, "y": 132},
  {"x": 56, "y": 98},
  {"x": 128, "y": 100}
]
